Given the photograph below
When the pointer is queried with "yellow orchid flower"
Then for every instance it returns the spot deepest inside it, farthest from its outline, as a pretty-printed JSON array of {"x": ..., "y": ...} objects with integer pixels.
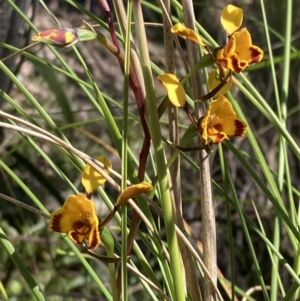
[
  {"x": 220, "y": 121},
  {"x": 176, "y": 93},
  {"x": 78, "y": 219},
  {"x": 239, "y": 52},
  {"x": 231, "y": 18},
  {"x": 91, "y": 179}
]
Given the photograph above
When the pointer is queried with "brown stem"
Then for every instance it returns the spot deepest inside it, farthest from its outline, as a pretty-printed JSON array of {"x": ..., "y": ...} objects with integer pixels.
[
  {"x": 109, "y": 20},
  {"x": 140, "y": 101}
]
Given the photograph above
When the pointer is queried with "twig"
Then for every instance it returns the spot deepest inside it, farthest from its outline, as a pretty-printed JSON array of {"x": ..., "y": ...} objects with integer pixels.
[
  {"x": 23, "y": 205},
  {"x": 207, "y": 206}
]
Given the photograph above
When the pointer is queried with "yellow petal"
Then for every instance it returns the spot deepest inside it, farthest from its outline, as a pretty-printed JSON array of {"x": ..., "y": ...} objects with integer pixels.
[
  {"x": 132, "y": 191},
  {"x": 231, "y": 18},
  {"x": 221, "y": 107},
  {"x": 91, "y": 179},
  {"x": 60, "y": 222},
  {"x": 242, "y": 37},
  {"x": 176, "y": 93},
  {"x": 244, "y": 48},
  {"x": 180, "y": 29},
  {"x": 214, "y": 81}
]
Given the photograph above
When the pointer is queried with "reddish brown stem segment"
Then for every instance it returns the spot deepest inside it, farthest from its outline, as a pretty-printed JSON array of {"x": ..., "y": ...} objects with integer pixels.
[{"x": 134, "y": 85}]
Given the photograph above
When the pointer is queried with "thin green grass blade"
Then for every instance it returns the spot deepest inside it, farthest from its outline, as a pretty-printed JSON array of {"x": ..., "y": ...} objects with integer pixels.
[
  {"x": 33, "y": 286},
  {"x": 267, "y": 192},
  {"x": 58, "y": 90},
  {"x": 247, "y": 235},
  {"x": 259, "y": 102},
  {"x": 225, "y": 172},
  {"x": 124, "y": 273},
  {"x": 265, "y": 168}
]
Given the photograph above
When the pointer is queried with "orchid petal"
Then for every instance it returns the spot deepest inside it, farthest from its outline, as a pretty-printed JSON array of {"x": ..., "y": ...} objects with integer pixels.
[
  {"x": 231, "y": 18},
  {"x": 132, "y": 191},
  {"x": 91, "y": 179},
  {"x": 176, "y": 93},
  {"x": 190, "y": 34}
]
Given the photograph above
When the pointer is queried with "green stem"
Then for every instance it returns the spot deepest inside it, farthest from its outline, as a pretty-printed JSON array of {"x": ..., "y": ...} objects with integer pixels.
[
  {"x": 109, "y": 246},
  {"x": 166, "y": 204},
  {"x": 124, "y": 154}
]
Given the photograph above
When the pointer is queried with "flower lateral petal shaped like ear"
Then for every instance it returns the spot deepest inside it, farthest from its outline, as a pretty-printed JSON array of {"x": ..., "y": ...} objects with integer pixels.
[
  {"x": 176, "y": 92},
  {"x": 64, "y": 37},
  {"x": 220, "y": 121},
  {"x": 231, "y": 18},
  {"x": 132, "y": 191},
  {"x": 91, "y": 179},
  {"x": 190, "y": 34},
  {"x": 78, "y": 219}
]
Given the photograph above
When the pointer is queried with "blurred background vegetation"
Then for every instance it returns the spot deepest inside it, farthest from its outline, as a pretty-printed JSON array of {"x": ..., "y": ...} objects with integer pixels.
[{"x": 63, "y": 277}]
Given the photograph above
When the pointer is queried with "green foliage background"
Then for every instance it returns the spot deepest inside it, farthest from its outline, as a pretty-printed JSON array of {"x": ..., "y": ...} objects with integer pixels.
[{"x": 255, "y": 179}]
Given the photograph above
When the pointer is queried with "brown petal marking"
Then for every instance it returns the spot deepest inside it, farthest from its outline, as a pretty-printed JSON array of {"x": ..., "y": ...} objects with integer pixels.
[
  {"x": 243, "y": 65},
  {"x": 239, "y": 128},
  {"x": 75, "y": 236},
  {"x": 81, "y": 228},
  {"x": 256, "y": 55},
  {"x": 218, "y": 127},
  {"x": 237, "y": 66},
  {"x": 219, "y": 138},
  {"x": 55, "y": 225},
  {"x": 96, "y": 240}
]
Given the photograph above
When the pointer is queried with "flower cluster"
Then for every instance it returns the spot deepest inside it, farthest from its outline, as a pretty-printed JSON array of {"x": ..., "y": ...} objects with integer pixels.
[
  {"x": 220, "y": 119},
  {"x": 78, "y": 218}
]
